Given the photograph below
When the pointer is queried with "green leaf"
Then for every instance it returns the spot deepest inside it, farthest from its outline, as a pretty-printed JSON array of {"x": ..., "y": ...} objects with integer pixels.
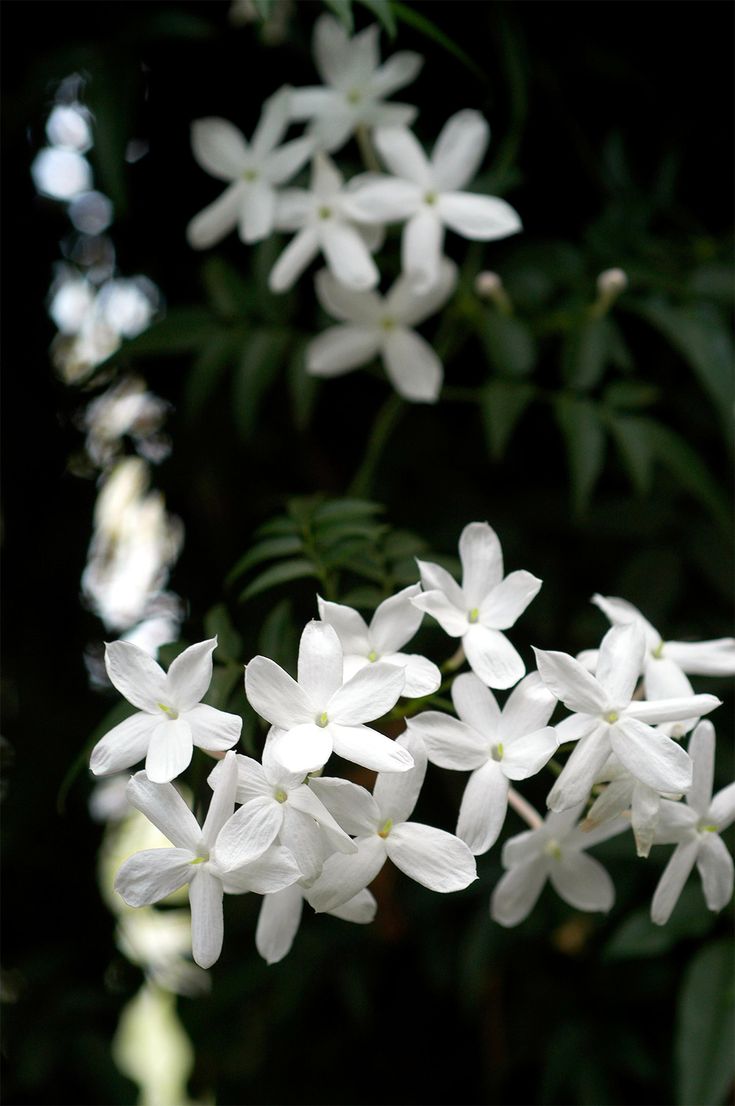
[
  {"x": 364, "y": 598},
  {"x": 343, "y": 11},
  {"x": 226, "y": 289},
  {"x": 502, "y": 403},
  {"x": 630, "y": 393},
  {"x": 219, "y": 354},
  {"x": 691, "y": 472},
  {"x": 343, "y": 509},
  {"x": 303, "y": 388},
  {"x": 705, "y": 1061},
  {"x": 276, "y": 629},
  {"x": 263, "y": 8},
  {"x": 168, "y": 653},
  {"x": 383, "y": 12},
  {"x": 633, "y": 440},
  {"x": 638, "y": 937},
  {"x": 225, "y": 678},
  {"x": 403, "y": 543},
  {"x": 584, "y": 438},
  {"x": 217, "y": 622},
  {"x": 260, "y": 362},
  {"x": 278, "y": 574},
  {"x": 586, "y": 353},
  {"x": 275, "y": 527},
  {"x": 182, "y": 330},
  {"x": 408, "y": 15},
  {"x": 282, "y": 546},
  {"x": 508, "y": 343}
]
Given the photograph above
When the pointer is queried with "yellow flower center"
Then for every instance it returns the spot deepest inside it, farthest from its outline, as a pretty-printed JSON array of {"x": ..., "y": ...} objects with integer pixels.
[{"x": 385, "y": 828}]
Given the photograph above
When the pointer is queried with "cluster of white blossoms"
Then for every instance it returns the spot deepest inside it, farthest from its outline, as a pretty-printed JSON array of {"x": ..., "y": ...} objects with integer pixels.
[
  {"x": 344, "y": 222},
  {"x": 280, "y": 828}
]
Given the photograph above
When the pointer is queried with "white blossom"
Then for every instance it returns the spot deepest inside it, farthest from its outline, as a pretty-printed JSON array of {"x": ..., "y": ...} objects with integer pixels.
[{"x": 280, "y": 917}]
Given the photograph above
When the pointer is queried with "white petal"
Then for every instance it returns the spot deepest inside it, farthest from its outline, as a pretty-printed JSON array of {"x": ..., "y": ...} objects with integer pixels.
[
  {"x": 483, "y": 808},
  {"x": 309, "y": 102},
  {"x": 704, "y": 658},
  {"x": 580, "y": 771},
  {"x": 332, "y": 129},
  {"x": 305, "y": 801},
  {"x": 523, "y": 847},
  {"x": 421, "y": 249},
  {"x": 526, "y": 755},
  {"x": 651, "y": 757},
  {"x": 136, "y": 675},
  {"x": 207, "y": 919},
  {"x": 363, "y": 55},
  {"x": 395, "y": 621},
  {"x": 360, "y": 909},
  {"x": 517, "y": 892},
  {"x": 575, "y": 727},
  {"x": 645, "y": 809},
  {"x": 582, "y": 882},
  {"x": 382, "y": 200},
  {"x": 281, "y": 165},
  {"x": 343, "y": 877},
  {"x": 722, "y": 809},
  {"x": 577, "y": 838},
  {"x": 459, "y": 150},
  {"x": 331, "y": 50},
  {"x": 347, "y": 255},
  {"x": 371, "y": 749},
  {"x": 275, "y": 695},
  {"x": 258, "y": 211},
  {"x": 399, "y": 70},
  {"x": 452, "y": 620},
  {"x": 410, "y": 307},
  {"x": 715, "y": 866},
  {"x": 413, "y": 367},
  {"x": 396, "y": 793},
  {"x": 123, "y": 745},
  {"x": 492, "y": 657},
  {"x": 190, "y": 675},
  {"x": 436, "y": 578},
  {"x": 278, "y": 923},
  {"x": 449, "y": 742},
  {"x": 272, "y": 123},
  {"x": 151, "y": 875},
  {"x": 370, "y": 694},
  {"x": 669, "y": 710},
  {"x": 247, "y": 834},
  {"x": 320, "y": 662},
  {"x": 528, "y": 707},
  {"x": 218, "y": 219},
  {"x": 482, "y": 561},
  {"x": 164, "y": 807},
  {"x": 170, "y": 750},
  {"x": 702, "y": 752},
  {"x": 346, "y": 304},
  {"x": 672, "y": 881},
  {"x": 480, "y": 218},
  {"x": 305, "y": 840},
  {"x": 219, "y": 148},
  {"x": 339, "y": 349},
  {"x": 572, "y": 684},
  {"x": 610, "y": 803},
  {"x": 404, "y": 155},
  {"x": 620, "y": 612},
  {"x": 303, "y": 749},
  {"x": 620, "y": 663},
  {"x": 271, "y": 872},
  {"x": 294, "y": 207},
  {"x": 434, "y": 858},
  {"x": 677, "y": 822},
  {"x": 664, "y": 679},
  {"x": 504, "y": 605},
  {"x": 290, "y": 265},
  {"x": 350, "y": 626},
  {"x": 222, "y": 803},
  {"x": 349, "y": 804},
  {"x": 477, "y": 706},
  {"x": 422, "y": 675},
  {"x": 212, "y": 729}
]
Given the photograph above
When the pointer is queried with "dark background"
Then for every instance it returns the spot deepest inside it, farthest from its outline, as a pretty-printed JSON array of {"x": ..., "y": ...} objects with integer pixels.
[{"x": 431, "y": 1004}]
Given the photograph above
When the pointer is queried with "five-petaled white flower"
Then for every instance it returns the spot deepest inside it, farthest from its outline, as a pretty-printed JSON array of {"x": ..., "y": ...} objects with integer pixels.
[
  {"x": 358, "y": 85},
  {"x": 374, "y": 325},
  {"x": 623, "y": 792},
  {"x": 496, "y": 746},
  {"x": 427, "y": 193},
  {"x": 280, "y": 917},
  {"x": 152, "y": 875},
  {"x": 171, "y": 718},
  {"x": 436, "y": 859},
  {"x": 608, "y": 719},
  {"x": 695, "y": 828},
  {"x": 323, "y": 225},
  {"x": 554, "y": 851},
  {"x": 395, "y": 622},
  {"x": 253, "y": 171},
  {"x": 485, "y": 604},
  {"x": 323, "y": 712}
]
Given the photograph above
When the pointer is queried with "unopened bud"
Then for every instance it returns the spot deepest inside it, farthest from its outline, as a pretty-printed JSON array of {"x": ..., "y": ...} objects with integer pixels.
[
  {"x": 612, "y": 282},
  {"x": 489, "y": 286}
]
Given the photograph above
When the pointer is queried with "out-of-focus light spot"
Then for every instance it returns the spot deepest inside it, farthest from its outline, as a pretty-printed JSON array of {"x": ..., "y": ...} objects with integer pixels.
[
  {"x": 152, "y": 1048},
  {"x": 128, "y": 305},
  {"x": 160, "y": 942},
  {"x": 135, "y": 150},
  {"x": 74, "y": 356},
  {"x": 93, "y": 252},
  {"x": 108, "y": 801},
  {"x": 68, "y": 127},
  {"x": 71, "y": 304},
  {"x": 61, "y": 174},
  {"x": 127, "y": 408},
  {"x": 91, "y": 213}
]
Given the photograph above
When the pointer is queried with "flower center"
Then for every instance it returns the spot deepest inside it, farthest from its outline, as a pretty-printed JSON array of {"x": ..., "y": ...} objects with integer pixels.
[
  {"x": 553, "y": 849},
  {"x": 496, "y": 751},
  {"x": 354, "y": 96},
  {"x": 170, "y": 713},
  {"x": 473, "y": 615},
  {"x": 658, "y": 652},
  {"x": 201, "y": 858},
  {"x": 385, "y": 829},
  {"x": 430, "y": 198},
  {"x": 706, "y": 827},
  {"x": 322, "y": 720},
  {"x": 250, "y": 174},
  {"x": 372, "y": 656},
  {"x": 325, "y": 213},
  {"x": 387, "y": 323},
  {"x": 611, "y": 716},
  {"x": 280, "y": 795}
]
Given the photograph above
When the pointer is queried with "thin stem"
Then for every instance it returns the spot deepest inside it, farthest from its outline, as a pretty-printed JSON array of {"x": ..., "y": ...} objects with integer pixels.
[
  {"x": 367, "y": 150},
  {"x": 383, "y": 426},
  {"x": 455, "y": 661},
  {"x": 526, "y": 811}
]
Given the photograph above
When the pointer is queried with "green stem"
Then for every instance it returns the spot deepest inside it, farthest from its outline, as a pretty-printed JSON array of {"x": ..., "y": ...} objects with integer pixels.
[
  {"x": 367, "y": 150},
  {"x": 384, "y": 425},
  {"x": 454, "y": 662}
]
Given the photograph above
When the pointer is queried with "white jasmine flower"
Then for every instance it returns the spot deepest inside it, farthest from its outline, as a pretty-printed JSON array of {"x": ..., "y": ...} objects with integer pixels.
[
  {"x": 434, "y": 858},
  {"x": 357, "y": 85},
  {"x": 323, "y": 225},
  {"x": 622, "y": 793},
  {"x": 323, "y": 712},
  {"x": 496, "y": 746},
  {"x": 170, "y": 720},
  {"x": 289, "y": 809},
  {"x": 280, "y": 918},
  {"x": 554, "y": 852},
  {"x": 151, "y": 875},
  {"x": 607, "y": 719},
  {"x": 482, "y": 607},
  {"x": 377, "y": 326},
  {"x": 426, "y": 193},
  {"x": 252, "y": 170},
  {"x": 395, "y": 622},
  {"x": 695, "y": 827}
]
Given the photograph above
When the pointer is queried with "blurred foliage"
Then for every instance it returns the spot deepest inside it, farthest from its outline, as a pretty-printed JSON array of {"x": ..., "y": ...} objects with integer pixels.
[{"x": 598, "y": 443}]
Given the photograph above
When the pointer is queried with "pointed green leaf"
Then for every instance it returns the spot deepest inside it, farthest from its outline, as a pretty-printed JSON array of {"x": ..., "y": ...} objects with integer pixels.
[
  {"x": 281, "y": 573},
  {"x": 343, "y": 509},
  {"x": 278, "y": 633},
  {"x": 343, "y": 11},
  {"x": 219, "y": 354},
  {"x": 586, "y": 353},
  {"x": 705, "y": 1060},
  {"x": 630, "y": 393},
  {"x": 259, "y": 365},
  {"x": 502, "y": 403},
  {"x": 217, "y": 622},
  {"x": 303, "y": 388},
  {"x": 584, "y": 438},
  {"x": 406, "y": 14},
  {"x": 228, "y": 292},
  {"x": 691, "y": 472},
  {"x": 508, "y": 343},
  {"x": 283, "y": 546},
  {"x": 383, "y": 12},
  {"x": 634, "y": 444}
]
